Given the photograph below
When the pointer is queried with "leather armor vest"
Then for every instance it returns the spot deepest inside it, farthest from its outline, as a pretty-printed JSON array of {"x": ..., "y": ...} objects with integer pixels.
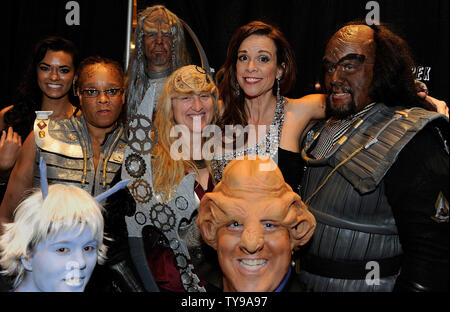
[
  {"x": 65, "y": 146},
  {"x": 345, "y": 192}
]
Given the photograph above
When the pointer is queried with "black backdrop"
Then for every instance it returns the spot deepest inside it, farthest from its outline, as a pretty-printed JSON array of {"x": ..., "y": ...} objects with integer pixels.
[
  {"x": 102, "y": 31},
  {"x": 307, "y": 24}
]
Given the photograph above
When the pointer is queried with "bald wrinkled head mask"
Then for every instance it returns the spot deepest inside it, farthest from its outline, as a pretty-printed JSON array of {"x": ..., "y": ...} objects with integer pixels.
[{"x": 255, "y": 208}]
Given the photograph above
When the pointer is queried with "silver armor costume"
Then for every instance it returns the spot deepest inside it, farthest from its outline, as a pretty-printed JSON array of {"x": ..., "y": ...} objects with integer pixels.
[
  {"x": 355, "y": 223},
  {"x": 65, "y": 146}
]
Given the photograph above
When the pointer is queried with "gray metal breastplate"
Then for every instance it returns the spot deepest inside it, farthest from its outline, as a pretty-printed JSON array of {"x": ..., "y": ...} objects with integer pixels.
[
  {"x": 354, "y": 218},
  {"x": 66, "y": 148}
]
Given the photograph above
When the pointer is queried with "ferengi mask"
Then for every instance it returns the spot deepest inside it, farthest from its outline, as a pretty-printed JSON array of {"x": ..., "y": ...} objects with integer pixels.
[{"x": 254, "y": 220}]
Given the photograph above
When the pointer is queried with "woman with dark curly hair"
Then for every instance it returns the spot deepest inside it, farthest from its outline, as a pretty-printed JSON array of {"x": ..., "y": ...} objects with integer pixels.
[{"x": 46, "y": 86}]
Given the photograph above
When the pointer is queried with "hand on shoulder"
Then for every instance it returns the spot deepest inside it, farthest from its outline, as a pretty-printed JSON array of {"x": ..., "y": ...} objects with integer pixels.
[
  {"x": 440, "y": 106},
  {"x": 311, "y": 105}
]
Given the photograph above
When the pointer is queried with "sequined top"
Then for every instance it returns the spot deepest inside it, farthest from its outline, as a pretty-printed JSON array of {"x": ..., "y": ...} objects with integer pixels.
[{"x": 267, "y": 146}]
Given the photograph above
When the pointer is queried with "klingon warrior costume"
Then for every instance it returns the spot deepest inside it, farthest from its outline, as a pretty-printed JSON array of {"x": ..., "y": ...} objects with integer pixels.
[{"x": 355, "y": 199}]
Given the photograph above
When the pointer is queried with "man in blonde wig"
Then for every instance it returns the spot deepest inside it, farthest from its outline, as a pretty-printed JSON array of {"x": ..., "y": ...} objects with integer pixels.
[
  {"x": 254, "y": 220},
  {"x": 53, "y": 244}
]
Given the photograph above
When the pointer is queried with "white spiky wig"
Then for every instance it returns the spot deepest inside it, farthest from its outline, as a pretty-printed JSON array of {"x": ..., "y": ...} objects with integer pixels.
[{"x": 65, "y": 208}]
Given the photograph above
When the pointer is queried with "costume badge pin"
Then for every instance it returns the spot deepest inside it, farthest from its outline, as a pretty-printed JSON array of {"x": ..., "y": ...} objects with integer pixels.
[
  {"x": 41, "y": 116},
  {"x": 42, "y": 124},
  {"x": 441, "y": 209},
  {"x": 73, "y": 137}
]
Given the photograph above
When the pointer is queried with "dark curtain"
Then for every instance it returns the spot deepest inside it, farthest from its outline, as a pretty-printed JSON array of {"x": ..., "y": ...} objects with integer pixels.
[
  {"x": 307, "y": 24},
  {"x": 101, "y": 32}
]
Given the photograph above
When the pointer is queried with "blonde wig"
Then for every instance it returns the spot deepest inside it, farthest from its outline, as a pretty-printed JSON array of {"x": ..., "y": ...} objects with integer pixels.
[
  {"x": 65, "y": 208},
  {"x": 167, "y": 172}
]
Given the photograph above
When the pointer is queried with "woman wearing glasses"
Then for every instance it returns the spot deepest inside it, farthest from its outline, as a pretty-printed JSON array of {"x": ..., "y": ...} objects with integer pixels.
[
  {"x": 85, "y": 150},
  {"x": 46, "y": 86}
]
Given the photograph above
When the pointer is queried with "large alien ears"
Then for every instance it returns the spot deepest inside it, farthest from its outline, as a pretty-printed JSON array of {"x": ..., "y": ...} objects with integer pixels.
[
  {"x": 206, "y": 221},
  {"x": 303, "y": 230},
  {"x": 98, "y": 199}
]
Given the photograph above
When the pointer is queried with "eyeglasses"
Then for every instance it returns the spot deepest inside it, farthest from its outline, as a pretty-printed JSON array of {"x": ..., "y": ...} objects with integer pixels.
[{"x": 93, "y": 93}]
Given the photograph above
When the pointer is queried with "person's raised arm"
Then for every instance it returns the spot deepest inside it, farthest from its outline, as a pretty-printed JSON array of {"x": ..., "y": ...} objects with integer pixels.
[
  {"x": 299, "y": 112},
  {"x": 10, "y": 144},
  {"x": 20, "y": 180},
  {"x": 313, "y": 104},
  {"x": 2, "y": 116}
]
